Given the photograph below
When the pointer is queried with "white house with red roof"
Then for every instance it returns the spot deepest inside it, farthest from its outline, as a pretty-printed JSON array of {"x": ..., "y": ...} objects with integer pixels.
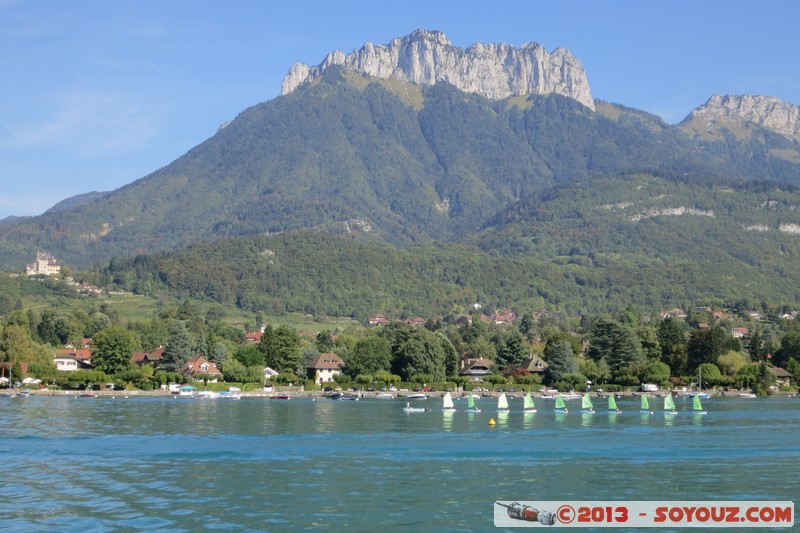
[
  {"x": 199, "y": 365},
  {"x": 325, "y": 367}
]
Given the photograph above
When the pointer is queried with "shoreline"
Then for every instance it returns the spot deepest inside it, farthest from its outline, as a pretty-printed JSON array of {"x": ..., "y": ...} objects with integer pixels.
[{"x": 362, "y": 394}]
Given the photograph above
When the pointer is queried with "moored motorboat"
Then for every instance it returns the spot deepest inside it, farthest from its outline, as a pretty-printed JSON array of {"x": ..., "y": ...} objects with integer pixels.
[
  {"x": 409, "y": 409},
  {"x": 343, "y": 396}
]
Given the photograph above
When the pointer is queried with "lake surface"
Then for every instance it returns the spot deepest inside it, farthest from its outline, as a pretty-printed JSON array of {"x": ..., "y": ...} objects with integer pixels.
[{"x": 180, "y": 464}]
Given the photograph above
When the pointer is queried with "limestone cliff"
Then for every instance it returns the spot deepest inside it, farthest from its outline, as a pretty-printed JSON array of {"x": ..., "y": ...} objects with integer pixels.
[
  {"x": 495, "y": 71},
  {"x": 744, "y": 110}
]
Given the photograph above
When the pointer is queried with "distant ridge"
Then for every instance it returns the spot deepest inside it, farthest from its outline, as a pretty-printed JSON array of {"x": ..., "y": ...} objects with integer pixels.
[
  {"x": 75, "y": 201},
  {"x": 495, "y": 71},
  {"x": 766, "y": 112}
]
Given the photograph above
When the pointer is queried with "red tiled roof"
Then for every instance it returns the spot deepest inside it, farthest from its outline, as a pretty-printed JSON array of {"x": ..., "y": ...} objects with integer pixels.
[
  {"x": 81, "y": 355},
  {"x": 253, "y": 336}
]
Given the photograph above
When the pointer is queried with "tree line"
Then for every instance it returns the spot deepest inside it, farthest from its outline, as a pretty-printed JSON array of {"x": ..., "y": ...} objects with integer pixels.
[{"x": 623, "y": 350}]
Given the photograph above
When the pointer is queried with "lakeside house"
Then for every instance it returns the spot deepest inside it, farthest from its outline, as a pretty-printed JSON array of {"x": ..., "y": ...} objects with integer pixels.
[
  {"x": 200, "y": 366},
  {"x": 536, "y": 365},
  {"x": 71, "y": 359},
  {"x": 253, "y": 337},
  {"x": 476, "y": 369},
  {"x": 325, "y": 367},
  {"x": 153, "y": 358},
  {"x": 782, "y": 377}
]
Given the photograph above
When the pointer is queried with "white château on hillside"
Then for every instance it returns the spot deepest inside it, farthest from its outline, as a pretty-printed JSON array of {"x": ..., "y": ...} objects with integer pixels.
[{"x": 45, "y": 265}]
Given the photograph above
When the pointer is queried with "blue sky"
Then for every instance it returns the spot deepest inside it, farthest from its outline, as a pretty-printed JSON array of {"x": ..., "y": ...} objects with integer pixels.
[{"x": 97, "y": 94}]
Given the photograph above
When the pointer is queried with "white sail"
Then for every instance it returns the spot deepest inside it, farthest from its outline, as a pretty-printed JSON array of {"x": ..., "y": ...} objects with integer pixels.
[
  {"x": 447, "y": 402},
  {"x": 502, "y": 401}
]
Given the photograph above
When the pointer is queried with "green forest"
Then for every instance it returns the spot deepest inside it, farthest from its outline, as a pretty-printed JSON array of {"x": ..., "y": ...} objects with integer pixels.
[{"x": 611, "y": 351}]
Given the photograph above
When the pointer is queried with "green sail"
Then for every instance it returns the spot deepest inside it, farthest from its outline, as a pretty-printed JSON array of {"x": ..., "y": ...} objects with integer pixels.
[
  {"x": 528, "y": 402},
  {"x": 645, "y": 403},
  {"x": 586, "y": 402},
  {"x": 669, "y": 403},
  {"x": 612, "y": 403},
  {"x": 696, "y": 405},
  {"x": 471, "y": 402},
  {"x": 560, "y": 402}
]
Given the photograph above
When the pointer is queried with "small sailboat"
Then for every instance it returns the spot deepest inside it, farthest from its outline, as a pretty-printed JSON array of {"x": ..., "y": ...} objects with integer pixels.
[
  {"x": 502, "y": 402},
  {"x": 612, "y": 405},
  {"x": 669, "y": 405},
  {"x": 700, "y": 393},
  {"x": 586, "y": 405},
  {"x": 447, "y": 403},
  {"x": 471, "y": 407},
  {"x": 528, "y": 404},
  {"x": 697, "y": 407},
  {"x": 561, "y": 407},
  {"x": 645, "y": 405}
]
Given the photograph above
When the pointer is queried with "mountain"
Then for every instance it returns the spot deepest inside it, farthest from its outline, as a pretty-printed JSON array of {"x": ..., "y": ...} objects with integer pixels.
[
  {"x": 495, "y": 71},
  {"x": 384, "y": 160},
  {"x": 604, "y": 244},
  {"x": 75, "y": 201},
  {"x": 742, "y": 114}
]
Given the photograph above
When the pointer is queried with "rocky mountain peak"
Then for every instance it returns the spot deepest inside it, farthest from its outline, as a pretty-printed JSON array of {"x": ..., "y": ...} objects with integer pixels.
[
  {"x": 763, "y": 111},
  {"x": 426, "y": 57}
]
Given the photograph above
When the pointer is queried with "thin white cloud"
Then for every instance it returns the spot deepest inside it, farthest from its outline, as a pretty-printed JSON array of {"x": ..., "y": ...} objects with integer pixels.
[{"x": 90, "y": 123}]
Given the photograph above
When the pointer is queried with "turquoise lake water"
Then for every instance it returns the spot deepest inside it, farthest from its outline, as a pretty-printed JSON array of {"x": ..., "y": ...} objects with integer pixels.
[{"x": 178, "y": 464}]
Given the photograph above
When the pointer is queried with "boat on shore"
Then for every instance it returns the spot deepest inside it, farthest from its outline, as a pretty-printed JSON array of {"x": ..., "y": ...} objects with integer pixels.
[
  {"x": 384, "y": 396},
  {"x": 747, "y": 395}
]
